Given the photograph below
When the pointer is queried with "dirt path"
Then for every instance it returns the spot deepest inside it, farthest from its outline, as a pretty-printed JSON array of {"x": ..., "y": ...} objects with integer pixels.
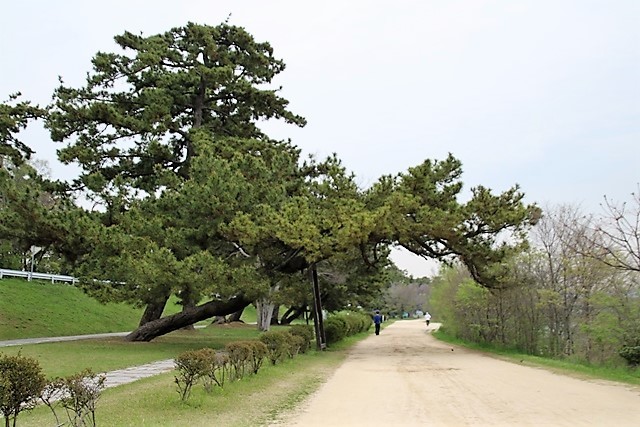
[{"x": 405, "y": 377}]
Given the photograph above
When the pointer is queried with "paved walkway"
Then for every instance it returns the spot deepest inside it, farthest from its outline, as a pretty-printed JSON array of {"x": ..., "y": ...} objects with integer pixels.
[
  {"x": 114, "y": 378},
  {"x": 134, "y": 373},
  {"x": 26, "y": 341}
]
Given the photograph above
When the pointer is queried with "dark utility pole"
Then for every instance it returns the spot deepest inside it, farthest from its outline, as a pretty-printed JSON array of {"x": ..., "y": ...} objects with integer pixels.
[{"x": 318, "y": 322}]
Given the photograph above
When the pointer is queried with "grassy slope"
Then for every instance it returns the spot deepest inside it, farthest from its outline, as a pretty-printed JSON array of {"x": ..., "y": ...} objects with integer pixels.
[{"x": 42, "y": 309}]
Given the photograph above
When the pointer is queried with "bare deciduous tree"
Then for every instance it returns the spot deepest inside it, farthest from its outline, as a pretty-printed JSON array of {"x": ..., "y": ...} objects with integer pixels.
[{"x": 619, "y": 234}]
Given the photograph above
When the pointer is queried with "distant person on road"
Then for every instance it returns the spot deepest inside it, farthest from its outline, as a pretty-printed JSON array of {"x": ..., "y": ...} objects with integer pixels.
[
  {"x": 427, "y": 317},
  {"x": 377, "y": 320}
]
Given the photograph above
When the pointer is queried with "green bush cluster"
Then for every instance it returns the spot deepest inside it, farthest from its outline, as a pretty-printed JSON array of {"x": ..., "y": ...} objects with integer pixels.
[
  {"x": 77, "y": 394},
  {"x": 243, "y": 355},
  {"x": 279, "y": 345},
  {"x": 258, "y": 354},
  {"x": 22, "y": 385},
  {"x": 342, "y": 325},
  {"x": 212, "y": 367},
  {"x": 306, "y": 333},
  {"x": 632, "y": 355},
  {"x": 335, "y": 329},
  {"x": 194, "y": 365}
]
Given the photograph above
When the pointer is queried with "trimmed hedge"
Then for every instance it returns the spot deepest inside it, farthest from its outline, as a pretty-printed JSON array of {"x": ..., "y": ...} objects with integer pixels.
[
  {"x": 22, "y": 383},
  {"x": 192, "y": 366},
  {"x": 258, "y": 355},
  {"x": 212, "y": 367},
  {"x": 296, "y": 342},
  {"x": 304, "y": 331},
  {"x": 77, "y": 395},
  {"x": 334, "y": 330},
  {"x": 278, "y": 344},
  {"x": 240, "y": 352},
  {"x": 342, "y": 325}
]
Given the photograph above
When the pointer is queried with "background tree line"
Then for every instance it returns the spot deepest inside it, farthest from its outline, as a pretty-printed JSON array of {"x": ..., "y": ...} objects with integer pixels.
[{"x": 574, "y": 293}]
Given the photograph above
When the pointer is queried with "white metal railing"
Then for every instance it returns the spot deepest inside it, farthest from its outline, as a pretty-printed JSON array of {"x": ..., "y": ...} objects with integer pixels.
[{"x": 33, "y": 275}]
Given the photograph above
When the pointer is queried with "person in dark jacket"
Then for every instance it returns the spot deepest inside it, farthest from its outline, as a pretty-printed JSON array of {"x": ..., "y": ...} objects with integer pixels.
[{"x": 377, "y": 320}]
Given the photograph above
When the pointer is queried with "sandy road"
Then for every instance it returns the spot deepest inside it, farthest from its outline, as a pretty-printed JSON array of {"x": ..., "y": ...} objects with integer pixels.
[{"x": 405, "y": 377}]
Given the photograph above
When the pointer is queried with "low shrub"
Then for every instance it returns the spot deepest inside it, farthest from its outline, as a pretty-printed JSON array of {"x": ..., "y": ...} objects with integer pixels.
[
  {"x": 212, "y": 367},
  {"x": 258, "y": 354},
  {"x": 240, "y": 353},
  {"x": 304, "y": 331},
  {"x": 367, "y": 322},
  {"x": 191, "y": 366},
  {"x": 354, "y": 323},
  {"x": 296, "y": 342},
  {"x": 277, "y": 343},
  {"x": 631, "y": 354},
  {"x": 21, "y": 383},
  {"x": 215, "y": 373},
  {"x": 339, "y": 326},
  {"x": 339, "y": 319},
  {"x": 78, "y": 394},
  {"x": 334, "y": 330}
]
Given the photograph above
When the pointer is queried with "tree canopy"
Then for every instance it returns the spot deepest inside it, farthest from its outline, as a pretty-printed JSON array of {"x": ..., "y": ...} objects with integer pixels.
[
  {"x": 420, "y": 210},
  {"x": 136, "y": 118},
  {"x": 195, "y": 200},
  {"x": 14, "y": 117}
]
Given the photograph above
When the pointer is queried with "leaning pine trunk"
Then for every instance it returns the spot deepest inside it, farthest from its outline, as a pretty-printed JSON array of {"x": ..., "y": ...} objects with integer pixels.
[
  {"x": 153, "y": 311},
  {"x": 235, "y": 317},
  {"x": 188, "y": 304},
  {"x": 164, "y": 325},
  {"x": 274, "y": 315},
  {"x": 292, "y": 314}
]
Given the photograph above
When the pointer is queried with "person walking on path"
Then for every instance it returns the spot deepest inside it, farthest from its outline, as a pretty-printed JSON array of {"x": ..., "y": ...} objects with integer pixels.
[
  {"x": 377, "y": 320},
  {"x": 427, "y": 317}
]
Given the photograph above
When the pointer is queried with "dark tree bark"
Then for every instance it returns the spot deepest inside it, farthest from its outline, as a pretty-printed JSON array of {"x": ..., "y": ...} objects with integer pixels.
[
  {"x": 219, "y": 320},
  {"x": 172, "y": 323},
  {"x": 275, "y": 314},
  {"x": 188, "y": 303},
  {"x": 292, "y": 314},
  {"x": 235, "y": 317},
  {"x": 153, "y": 311}
]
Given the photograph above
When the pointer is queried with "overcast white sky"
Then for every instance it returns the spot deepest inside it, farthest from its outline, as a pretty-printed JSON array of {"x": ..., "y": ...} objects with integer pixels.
[{"x": 542, "y": 93}]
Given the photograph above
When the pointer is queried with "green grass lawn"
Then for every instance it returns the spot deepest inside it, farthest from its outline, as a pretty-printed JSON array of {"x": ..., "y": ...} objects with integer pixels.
[
  {"x": 252, "y": 401},
  {"x": 65, "y": 358}
]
